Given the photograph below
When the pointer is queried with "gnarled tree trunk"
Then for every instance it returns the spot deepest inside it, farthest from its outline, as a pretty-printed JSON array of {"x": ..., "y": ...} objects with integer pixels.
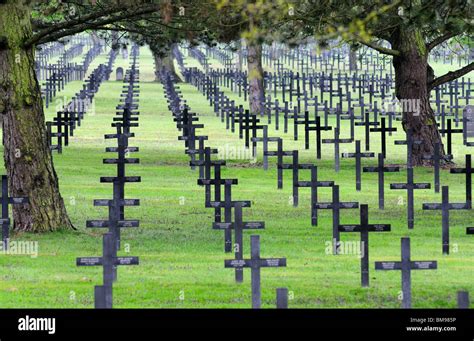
[
  {"x": 412, "y": 74},
  {"x": 27, "y": 155},
  {"x": 164, "y": 62},
  {"x": 255, "y": 75}
]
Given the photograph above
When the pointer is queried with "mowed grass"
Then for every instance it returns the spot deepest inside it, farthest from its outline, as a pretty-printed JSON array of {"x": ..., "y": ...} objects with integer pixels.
[{"x": 182, "y": 257}]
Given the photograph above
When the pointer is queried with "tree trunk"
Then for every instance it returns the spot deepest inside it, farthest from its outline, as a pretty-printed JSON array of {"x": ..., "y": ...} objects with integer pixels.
[
  {"x": 164, "y": 62},
  {"x": 412, "y": 73},
  {"x": 27, "y": 155},
  {"x": 240, "y": 61},
  {"x": 352, "y": 59},
  {"x": 255, "y": 75}
]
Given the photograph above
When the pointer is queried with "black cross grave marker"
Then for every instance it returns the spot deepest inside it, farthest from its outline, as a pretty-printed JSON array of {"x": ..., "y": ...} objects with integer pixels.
[
  {"x": 314, "y": 184},
  {"x": 445, "y": 207},
  {"x": 436, "y": 158},
  {"x": 381, "y": 170},
  {"x": 383, "y": 130},
  {"x": 250, "y": 124},
  {"x": 103, "y": 294},
  {"x": 280, "y": 153},
  {"x": 358, "y": 156},
  {"x": 367, "y": 125},
  {"x": 450, "y": 131},
  {"x": 6, "y": 200},
  {"x": 364, "y": 228},
  {"x": 410, "y": 186},
  {"x": 265, "y": 139},
  {"x": 255, "y": 263},
  {"x": 238, "y": 226},
  {"x": 318, "y": 128},
  {"x": 295, "y": 166},
  {"x": 336, "y": 140},
  {"x": 336, "y": 205},
  {"x": 406, "y": 266}
]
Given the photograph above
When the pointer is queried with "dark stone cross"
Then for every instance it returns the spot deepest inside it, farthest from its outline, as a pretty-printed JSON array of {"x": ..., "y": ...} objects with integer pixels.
[
  {"x": 186, "y": 123},
  {"x": 350, "y": 116},
  {"x": 410, "y": 186},
  {"x": 358, "y": 155},
  {"x": 6, "y": 200},
  {"x": 249, "y": 122},
  {"x": 115, "y": 221},
  {"x": 468, "y": 170},
  {"x": 253, "y": 126},
  {"x": 122, "y": 150},
  {"x": 445, "y": 207},
  {"x": 364, "y": 228},
  {"x": 217, "y": 182},
  {"x": 243, "y": 119},
  {"x": 318, "y": 128},
  {"x": 109, "y": 261},
  {"x": 58, "y": 134},
  {"x": 207, "y": 163},
  {"x": 255, "y": 263},
  {"x": 406, "y": 266},
  {"x": 199, "y": 151},
  {"x": 238, "y": 226},
  {"x": 336, "y": 141},
  {"x": 383, "y": 130},
  {"x": 367, "y": 124},
  {"x": 265, "y": 139},
  {"x": 125, "y": 118},
  {"x": 336, "y": 205},
  {"x": 381, "y": 170},
  {"x": 227, "y": 204},
  {"x": 64, "y": 119},
  {"x": 295, "y": 166},
  {"x": 436, "y": 158},
  {"x": 450, "y": 131},
  {"x": 297, "y": 120},
  {"x": 204, "y": 158},
  {"x": 280, "y": 153},
  {"x": 314, "y": 184}
]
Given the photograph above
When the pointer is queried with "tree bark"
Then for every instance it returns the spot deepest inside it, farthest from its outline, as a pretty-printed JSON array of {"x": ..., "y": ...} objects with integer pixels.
[
  {"x": 27, "y": 156},
  {"x": 255, "y": 75},
  {"x": 352, "y": 59},
  {"x": 164, "y": 62},
  {"x": 412, "y": 73},
  {"x": 240, "y": 61}
]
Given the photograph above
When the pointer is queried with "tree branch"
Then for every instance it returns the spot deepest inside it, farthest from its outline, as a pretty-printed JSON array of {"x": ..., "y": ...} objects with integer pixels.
[
  {"x": 377, "y": 47},
  {"x": 452, "y": 75},
  {"x": 441, "y": 39},
  {"x": 92, "y": 20}
]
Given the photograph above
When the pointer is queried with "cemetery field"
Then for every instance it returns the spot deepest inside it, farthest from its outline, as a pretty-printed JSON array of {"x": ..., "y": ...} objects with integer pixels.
[{"x": 181, "y": 256}]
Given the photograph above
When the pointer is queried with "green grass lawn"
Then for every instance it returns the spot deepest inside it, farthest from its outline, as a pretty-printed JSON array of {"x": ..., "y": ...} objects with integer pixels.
[{"x": 182, "y": 258}]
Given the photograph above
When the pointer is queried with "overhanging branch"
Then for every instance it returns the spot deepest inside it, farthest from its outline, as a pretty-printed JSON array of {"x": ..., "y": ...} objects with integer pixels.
[
  {"x": 441, "y": 39},
  {"x": 452, "y": 75},
  {"x": 377, "y": 47},
  {"x": 83, "y": 23}
]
